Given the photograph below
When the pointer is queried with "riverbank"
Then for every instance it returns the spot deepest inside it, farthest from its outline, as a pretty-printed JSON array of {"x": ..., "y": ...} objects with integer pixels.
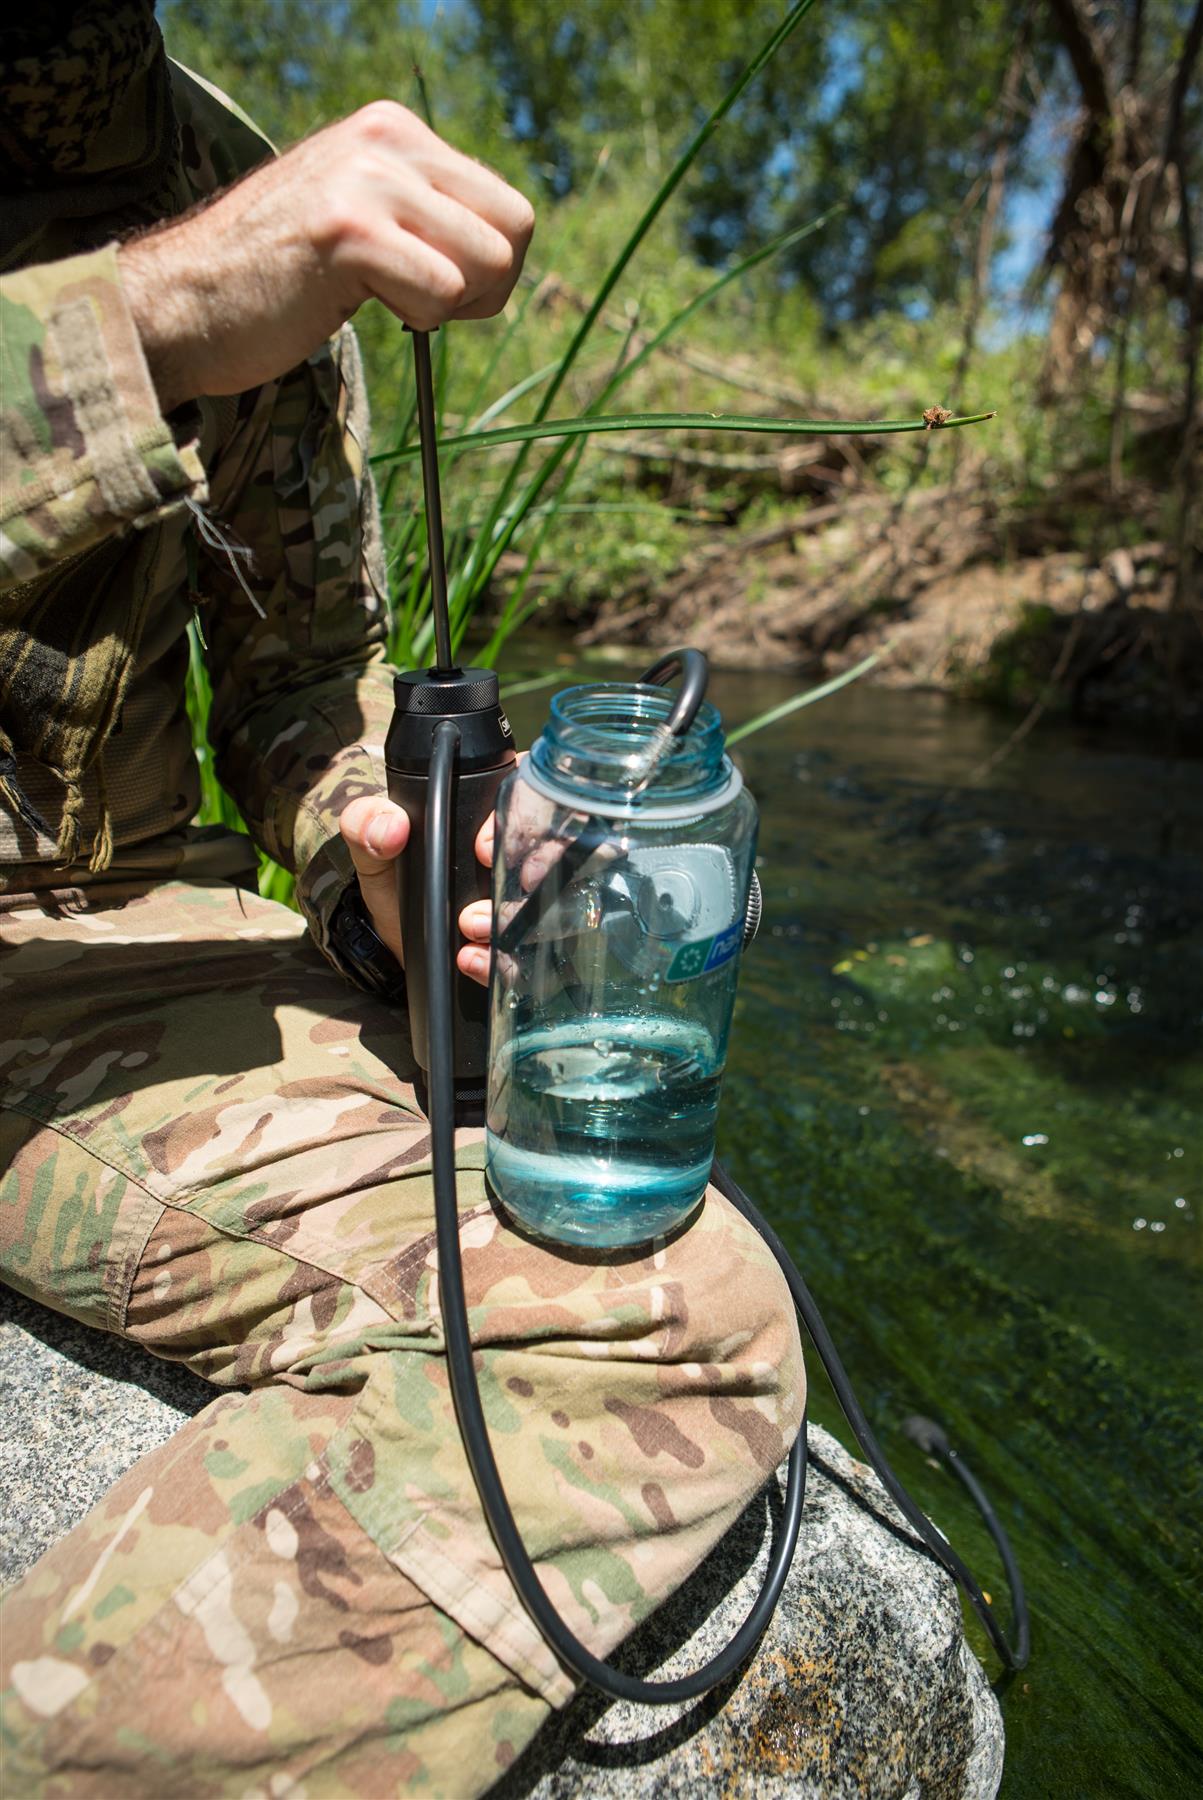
[{"x": 928, "y": 585}]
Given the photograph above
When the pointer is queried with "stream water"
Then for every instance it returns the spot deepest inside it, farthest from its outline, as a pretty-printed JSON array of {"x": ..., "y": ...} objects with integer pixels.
[{"x": 965, "y": 1084}]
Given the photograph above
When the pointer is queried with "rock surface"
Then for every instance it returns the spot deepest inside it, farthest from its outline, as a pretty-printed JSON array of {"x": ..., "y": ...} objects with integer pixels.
[{"x": 863, "y": 1685}]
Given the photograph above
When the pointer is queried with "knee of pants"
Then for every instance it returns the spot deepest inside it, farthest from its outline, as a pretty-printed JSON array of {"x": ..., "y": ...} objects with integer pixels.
[
  {"x": 747, "y": 1332},
  {"x": 678, "y": 1366}
]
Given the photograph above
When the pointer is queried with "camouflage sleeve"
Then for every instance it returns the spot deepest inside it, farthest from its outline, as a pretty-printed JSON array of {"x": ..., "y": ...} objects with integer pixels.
[
  {"x": 84, "y": 448},
  {"x": 297, "y": 622}
]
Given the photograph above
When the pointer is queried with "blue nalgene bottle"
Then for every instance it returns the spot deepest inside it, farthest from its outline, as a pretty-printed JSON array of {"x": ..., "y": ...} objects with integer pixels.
[{"x": 621, "y": 874}]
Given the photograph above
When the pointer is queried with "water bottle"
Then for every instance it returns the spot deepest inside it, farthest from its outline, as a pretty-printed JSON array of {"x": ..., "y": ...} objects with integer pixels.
[{"x": 622, "y": 868}]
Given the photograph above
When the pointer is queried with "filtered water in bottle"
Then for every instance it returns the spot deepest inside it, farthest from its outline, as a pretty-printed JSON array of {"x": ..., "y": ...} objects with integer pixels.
[{"x": 621, "y": 875}]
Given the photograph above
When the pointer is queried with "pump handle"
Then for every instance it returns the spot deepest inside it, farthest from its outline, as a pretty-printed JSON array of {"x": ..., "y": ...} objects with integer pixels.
[{"x": 427, "y": 700}]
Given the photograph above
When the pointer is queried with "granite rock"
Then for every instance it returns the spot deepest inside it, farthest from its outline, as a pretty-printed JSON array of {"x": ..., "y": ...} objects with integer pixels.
[
  {"x": 77, "y": 1408},
  {"x": 863, "y": 1686}
]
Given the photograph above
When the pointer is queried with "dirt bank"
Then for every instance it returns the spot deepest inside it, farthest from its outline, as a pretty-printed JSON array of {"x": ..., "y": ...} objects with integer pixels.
[{"x": 952, "y": 594}]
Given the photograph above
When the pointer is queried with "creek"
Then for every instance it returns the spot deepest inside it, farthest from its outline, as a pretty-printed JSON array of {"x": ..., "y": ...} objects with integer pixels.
[{"x": 965, "y": 1085}]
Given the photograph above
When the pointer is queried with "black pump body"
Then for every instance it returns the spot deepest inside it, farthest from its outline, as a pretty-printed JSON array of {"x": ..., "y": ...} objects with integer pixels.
[{"x": 470, "y": 699}]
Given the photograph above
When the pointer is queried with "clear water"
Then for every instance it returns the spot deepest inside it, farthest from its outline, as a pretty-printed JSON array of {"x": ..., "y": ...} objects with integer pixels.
[
  {"x": 965, "y": 1083},
  {"x": 608, "y": 1128}
]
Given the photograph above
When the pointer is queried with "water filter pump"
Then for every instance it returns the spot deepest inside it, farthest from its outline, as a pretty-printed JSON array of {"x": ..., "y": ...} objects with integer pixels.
[{"x": 445, "y": 714}]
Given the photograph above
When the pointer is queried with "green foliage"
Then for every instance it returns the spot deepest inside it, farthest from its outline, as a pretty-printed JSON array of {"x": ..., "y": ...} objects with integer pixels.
[
  {"x": 295, "y": 65},
  {"x": 888, "y": 107},
  {"x": 216, "y": 807},
  {"x": 885, "y": 109},
  {"x": 623, "y": 75},
  {"x": 603, "y": 542}
]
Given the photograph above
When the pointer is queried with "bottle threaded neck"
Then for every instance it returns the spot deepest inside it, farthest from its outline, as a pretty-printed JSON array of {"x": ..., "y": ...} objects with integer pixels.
[{"x": 609, "y": 741}]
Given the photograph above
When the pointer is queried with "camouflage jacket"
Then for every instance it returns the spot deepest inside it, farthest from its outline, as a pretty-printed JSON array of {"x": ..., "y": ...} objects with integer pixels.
[{"x": 111, "y": 512}]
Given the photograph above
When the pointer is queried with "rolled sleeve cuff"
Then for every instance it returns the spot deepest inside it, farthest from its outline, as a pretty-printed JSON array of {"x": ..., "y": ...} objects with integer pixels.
[{"x": 87, "y": 448}]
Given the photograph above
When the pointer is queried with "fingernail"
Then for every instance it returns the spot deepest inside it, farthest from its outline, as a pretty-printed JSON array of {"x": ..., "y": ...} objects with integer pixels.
[
  {"x": 475, "y": 963},
  {"x": 377, "y": 835}
]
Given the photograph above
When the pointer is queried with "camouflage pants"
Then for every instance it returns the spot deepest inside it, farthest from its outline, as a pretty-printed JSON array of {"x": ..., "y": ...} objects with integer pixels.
[{"x": 208, "y": 1144}]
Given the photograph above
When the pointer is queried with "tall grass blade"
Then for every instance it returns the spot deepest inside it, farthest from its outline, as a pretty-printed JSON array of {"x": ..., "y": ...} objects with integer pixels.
[
  {"x": 484, "y": 555},
  {"x": 668, "y": 188},
  {"x": 590, "y": 423},
  {"x": 504, "y": 401},
  {"x": 531, "y": 686},
  {"x": 773, "y": 248},
  {"x": 808, "y": 698},
  {"x": 514, "y": 315}
]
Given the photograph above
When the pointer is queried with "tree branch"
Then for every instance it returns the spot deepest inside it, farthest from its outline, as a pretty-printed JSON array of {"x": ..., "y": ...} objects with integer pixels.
[
  {"x": 1084, "y": 46},
  {"x": 1136, "y": 37},
  {"x": 1182, "y": 79}
]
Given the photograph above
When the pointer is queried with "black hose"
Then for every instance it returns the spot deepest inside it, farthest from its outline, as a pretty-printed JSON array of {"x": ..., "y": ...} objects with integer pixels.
[
  {"x": 465, "y": 1392},
  {"x": 933, "y": 1440},
  {"x": 1012, "y": 1657},
  {"x": 695, "y": 673}
]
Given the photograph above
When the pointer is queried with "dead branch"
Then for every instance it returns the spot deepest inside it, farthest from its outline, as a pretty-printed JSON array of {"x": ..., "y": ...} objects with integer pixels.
[{"x": 1087, "y": 53}]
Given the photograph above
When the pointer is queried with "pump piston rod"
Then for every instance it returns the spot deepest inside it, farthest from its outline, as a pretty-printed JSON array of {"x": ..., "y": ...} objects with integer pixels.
[{"x": 428, "y": 440}]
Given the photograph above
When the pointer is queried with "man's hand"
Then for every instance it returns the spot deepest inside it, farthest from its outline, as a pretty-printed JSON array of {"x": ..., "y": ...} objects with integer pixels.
[
  {"x": 376, "y": 832},
  {"x": 246, "y": 287}
]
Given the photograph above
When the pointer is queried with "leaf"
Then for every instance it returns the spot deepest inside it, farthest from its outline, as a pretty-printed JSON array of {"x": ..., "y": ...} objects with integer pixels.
[
  {"x": 604, "y": 422},
  {"x": 808, "y": 698}
]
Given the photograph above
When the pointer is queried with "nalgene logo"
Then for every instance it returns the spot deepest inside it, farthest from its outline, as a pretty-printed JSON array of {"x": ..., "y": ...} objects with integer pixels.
[
  {"x": 705, "y": 954},
  {"x": 725, "y": 944}
]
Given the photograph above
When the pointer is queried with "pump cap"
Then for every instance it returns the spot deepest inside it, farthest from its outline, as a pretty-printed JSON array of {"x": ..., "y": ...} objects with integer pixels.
[
  {"x": 471, "y": 697},
  {"x": 446, "y": 692}
]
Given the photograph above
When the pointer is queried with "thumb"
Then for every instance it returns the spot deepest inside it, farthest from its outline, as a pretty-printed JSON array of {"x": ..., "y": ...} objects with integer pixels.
[{"x": 375, "y": 831}]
